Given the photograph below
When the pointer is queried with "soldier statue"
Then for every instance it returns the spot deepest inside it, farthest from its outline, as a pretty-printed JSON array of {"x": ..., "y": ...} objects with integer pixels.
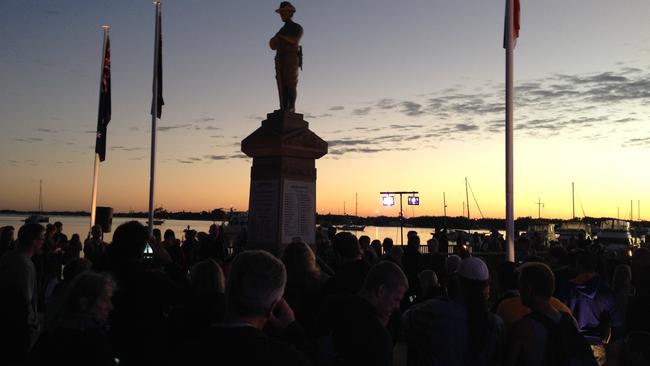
[{"x": 288, "y": 57}]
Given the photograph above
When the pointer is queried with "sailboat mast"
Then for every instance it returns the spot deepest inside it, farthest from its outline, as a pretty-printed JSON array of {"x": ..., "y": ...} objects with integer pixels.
[
  {"x": 356, "y": 204},
  {"x": 40, "y": 197},
  {"x": 573, "y": 198},
  {"x": 467, "y": 198},
  {"x": 444, "y": 204}
]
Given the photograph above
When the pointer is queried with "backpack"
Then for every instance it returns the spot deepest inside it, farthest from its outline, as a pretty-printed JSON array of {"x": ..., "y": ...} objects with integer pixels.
[{"x": 565, "y": 346}]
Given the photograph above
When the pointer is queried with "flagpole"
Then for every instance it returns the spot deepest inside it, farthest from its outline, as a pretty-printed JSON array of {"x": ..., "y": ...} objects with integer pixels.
[
  {"x": 153, "y": 118},
  {"x": 510, "y": 221},
  {"x": 93, "y": 200}
]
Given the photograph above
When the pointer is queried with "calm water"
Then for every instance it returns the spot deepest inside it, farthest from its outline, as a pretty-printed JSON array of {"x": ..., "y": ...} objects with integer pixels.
[{"x": 80, "y": 225}]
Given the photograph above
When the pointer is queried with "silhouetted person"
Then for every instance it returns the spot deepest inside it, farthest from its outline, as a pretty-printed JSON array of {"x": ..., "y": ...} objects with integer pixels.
[
  {"x": 143, "y": 298},
  {"x": 443, "y": 242},
  {"x": 543, "y": 336},
  {"x": 352, "y": 269},
  {"x": 593, "y": 304},
  {"x": 173, "y": 248},
  {"x": 6, "y": 239},
  {"x": 60, "y": 239},
  {"x": 359, "y": 323},
  {"x": 73, "y": 248},
  {"x": 456, "y": 332},
  {"x": 411, "y": 261},
  {"x": 304, "y": 289},
  {"x": 387, "y": 247},
  {"x": 94, "y": 247},
  {"x": 368, "y": 253},
  {"x": 558, "y": 260},
  {"x": 507, "y": 286},
  {"x": 637, "y": 315},
  {"x": 72, "y": 268},
  {"x": 78, "y": 334},
  {"x": 208, "y": 284},
  {"x": 203, "y": 306},
  {"x": 324, "y": 252},
  {"x": 622, "y": 287},
  {"x": 19, "y": 320},
  {"x": 512, "y": 308},
  {"x": 188, "y": 248},
  {"x": 435, "y": 261},
  {"x": 376, "y": 245},
  {"x": 429, "y": 287},
  {"x": 254, "y": 299}
]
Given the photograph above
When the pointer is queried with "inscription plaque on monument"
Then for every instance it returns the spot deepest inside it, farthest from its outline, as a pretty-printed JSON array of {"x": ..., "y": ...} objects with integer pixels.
[
  {"x": 299, "y": 206},
  {"x": 263, "y": 215}
]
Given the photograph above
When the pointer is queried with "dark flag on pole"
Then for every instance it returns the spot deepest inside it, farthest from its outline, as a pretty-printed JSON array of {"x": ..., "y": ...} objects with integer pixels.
[
  {"x": 515, "y": 24},
  {"x": 104, "y": 115},
  {"x": 157, "y": 102}
]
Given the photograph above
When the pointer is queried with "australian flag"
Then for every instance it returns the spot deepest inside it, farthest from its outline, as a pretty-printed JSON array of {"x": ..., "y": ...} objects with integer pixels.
[
  {"x": 104, "y": 115},
  {"x": 157, "y": 102}
]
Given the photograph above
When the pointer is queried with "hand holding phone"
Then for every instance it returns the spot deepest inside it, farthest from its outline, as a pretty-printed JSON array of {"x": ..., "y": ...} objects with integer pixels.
[{"x": 282, "y": 314}]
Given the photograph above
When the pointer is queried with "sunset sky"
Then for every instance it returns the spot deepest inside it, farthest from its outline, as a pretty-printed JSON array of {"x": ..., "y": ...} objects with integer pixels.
[{"x": 409, "y": 94}]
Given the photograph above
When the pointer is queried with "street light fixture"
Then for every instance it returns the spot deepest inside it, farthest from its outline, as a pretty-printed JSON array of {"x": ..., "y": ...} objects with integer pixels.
[
  {"x": 413, "y": 200},
  {"x": 388, "y": 199}
]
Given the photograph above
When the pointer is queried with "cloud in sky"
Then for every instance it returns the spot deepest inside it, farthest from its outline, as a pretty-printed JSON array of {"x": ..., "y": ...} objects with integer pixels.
[
  {"x": 28, "y": 139},
  {"x": 411, "y": 108},
  {"x": 123, "y": 148},
  {"x": 387, "y": 103},
  {"x": 564, "y": 104},
  {"x": 643, "y": 142},
  {"x": 190, "y": 160},
  {"x": 205, "y": 119},
  {"x": 235, "y": 155},
  {"x": 464, "y": 127},
  {"x": 210, "y": 128},
  {"x": 405, "y": 127},
  {"x": 361, "y": 111},
  {"x": 172, "y": 127}
]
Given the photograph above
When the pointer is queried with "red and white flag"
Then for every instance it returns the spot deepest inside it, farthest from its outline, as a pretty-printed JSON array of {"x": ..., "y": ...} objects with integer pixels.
[{"x": 515, "y": 24}]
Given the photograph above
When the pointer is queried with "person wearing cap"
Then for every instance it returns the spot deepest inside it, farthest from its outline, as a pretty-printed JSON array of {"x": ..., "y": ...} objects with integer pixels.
[
  {"x": 288, "y": 57},
  {"x": 460, "y": 331}
]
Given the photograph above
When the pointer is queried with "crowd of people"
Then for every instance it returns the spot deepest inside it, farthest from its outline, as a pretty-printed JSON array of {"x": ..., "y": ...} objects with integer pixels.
[{"x": 159, "y": 300}]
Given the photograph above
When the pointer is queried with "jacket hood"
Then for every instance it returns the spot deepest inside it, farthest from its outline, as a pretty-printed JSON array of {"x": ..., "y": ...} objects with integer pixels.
[{"x": 586, "y": 284}]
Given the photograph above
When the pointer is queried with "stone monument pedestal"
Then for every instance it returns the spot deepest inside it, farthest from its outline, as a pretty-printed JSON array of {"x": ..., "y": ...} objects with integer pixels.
[{"x": 282, "y": 203}]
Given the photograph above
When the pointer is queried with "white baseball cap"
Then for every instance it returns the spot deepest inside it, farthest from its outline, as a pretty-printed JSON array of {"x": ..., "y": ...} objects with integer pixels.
[{"x": 473, "y": 268}]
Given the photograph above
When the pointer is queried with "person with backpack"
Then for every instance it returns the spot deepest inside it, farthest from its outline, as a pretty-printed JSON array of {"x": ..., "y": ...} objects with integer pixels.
[
  {"x": 545, "y": 337},
  {"x": 593, "y": 304}
]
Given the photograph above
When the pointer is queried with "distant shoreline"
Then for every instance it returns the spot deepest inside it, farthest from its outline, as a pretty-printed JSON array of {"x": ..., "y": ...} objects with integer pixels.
[{"x": 521, "y": 223}]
